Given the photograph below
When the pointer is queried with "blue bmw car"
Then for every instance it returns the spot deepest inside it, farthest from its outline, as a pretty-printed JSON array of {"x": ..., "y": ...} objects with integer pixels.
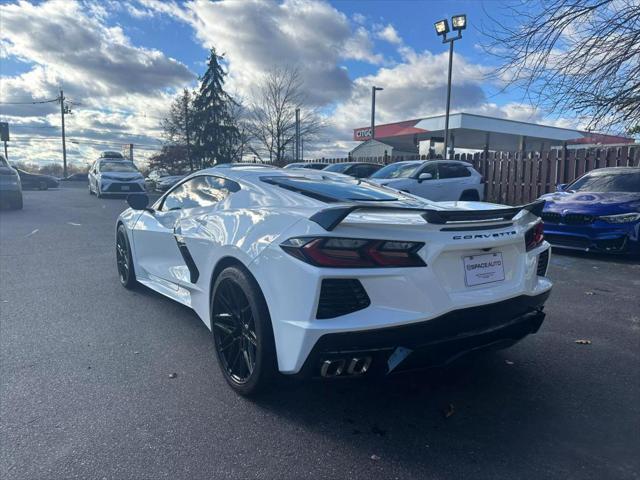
[{"x": 598, "y": 212}]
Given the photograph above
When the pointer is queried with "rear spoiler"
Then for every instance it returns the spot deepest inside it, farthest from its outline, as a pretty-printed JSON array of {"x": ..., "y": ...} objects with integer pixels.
[{"x": 330, "y": 218}]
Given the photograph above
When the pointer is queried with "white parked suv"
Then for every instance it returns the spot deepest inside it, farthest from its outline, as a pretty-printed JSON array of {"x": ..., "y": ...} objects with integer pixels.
[
  {"x": 437, "y": 180},
  {"x": 111, "y": 176}
]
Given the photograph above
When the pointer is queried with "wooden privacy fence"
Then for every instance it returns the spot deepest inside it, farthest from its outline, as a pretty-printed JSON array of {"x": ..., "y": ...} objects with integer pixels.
[{"x": 514, "y": 178}]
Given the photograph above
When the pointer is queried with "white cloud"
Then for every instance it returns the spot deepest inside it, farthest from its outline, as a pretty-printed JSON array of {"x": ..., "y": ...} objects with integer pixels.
[
  {"x": 258, "y": 35},
  {"x": 125, "y": 88},
  {"x": 389, "y": 34},
  {"x": 69, "y": 44}
]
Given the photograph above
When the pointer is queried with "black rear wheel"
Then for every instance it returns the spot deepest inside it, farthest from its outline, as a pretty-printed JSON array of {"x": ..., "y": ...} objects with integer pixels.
[
  {"x": 242, "y": 332},
  {"x": 124, "y": 261}
]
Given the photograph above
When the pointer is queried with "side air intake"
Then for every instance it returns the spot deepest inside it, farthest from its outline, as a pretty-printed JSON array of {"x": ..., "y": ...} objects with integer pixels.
[{"x": 339, "y": 296}]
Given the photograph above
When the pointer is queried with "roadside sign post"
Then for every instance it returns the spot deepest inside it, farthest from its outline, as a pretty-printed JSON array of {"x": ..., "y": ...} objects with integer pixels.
[{"x": 4, "y": 136}]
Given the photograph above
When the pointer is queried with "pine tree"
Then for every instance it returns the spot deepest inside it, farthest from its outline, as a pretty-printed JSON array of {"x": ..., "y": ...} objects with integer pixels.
[{"x": 215, "y": 135}]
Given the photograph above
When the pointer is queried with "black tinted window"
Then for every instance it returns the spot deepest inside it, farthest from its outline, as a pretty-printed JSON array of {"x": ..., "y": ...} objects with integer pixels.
[
  {"x": 338, "y": 167},
  {"x": 453, "y": 170},
  {"x": 202, "y": 191},
  {"x": 331, "y": 190},
  {"x": 431, "y": 168},
  {"x": 363, "y": 171}
]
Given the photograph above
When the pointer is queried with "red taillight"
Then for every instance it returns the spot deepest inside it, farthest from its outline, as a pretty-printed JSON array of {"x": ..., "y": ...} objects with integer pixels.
[
  {"x": 354, "y": 252},
  {"x": 534, "y": 236}
]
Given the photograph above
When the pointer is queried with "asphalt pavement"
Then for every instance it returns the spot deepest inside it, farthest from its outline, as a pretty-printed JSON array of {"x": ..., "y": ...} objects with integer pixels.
[{"x": 86, "y": 387}]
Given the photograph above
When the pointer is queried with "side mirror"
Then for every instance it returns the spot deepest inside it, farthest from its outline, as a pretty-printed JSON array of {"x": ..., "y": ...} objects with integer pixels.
[
  {"x": 561, "y": 186},
  {"x": 424, "y": 176},
  {"x": 138, "y": 201}
]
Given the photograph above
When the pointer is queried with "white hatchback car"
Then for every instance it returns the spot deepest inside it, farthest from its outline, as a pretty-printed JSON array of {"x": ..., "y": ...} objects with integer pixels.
[
  {"x": 437, "y": 180},
  {"x": 115, "y": 177}
]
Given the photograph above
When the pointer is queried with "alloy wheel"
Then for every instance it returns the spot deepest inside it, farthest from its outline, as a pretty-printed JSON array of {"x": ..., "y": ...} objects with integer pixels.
[
  {"x": 122, "y": 257},
  {"x": 234, "y": 331}
]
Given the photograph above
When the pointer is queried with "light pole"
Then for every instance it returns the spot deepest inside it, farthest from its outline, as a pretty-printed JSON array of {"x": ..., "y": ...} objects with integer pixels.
[
  {"x": 459, "y": 23},
  {"x": 373, "y": 110}
]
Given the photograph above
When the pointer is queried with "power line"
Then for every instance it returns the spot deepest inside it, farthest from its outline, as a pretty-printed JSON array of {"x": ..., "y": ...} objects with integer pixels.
[{"x": 30, "y": 103}]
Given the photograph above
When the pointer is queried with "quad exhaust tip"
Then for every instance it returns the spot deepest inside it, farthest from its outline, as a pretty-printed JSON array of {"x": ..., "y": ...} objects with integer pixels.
[{"x": 355, "y": 366}]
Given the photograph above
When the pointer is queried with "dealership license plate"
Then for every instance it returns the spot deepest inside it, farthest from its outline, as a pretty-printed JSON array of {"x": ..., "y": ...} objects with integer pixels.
[
  {"x": 485, "y": 268},
  {"x": 125, "y": 188}
]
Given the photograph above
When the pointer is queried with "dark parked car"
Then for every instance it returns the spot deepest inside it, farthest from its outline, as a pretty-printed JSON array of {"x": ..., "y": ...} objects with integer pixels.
[
  {"x": 76, "y": 177},
  {"x": 599, "y": 212},
  {"x": 37, "y": 181},
  {"x": 355, "y": 169},
  {"x": 10, "y": 186},
  {"x": 166, "y": 183},
  {"x": 112, "y": 155},
  {"x": 153, "y": 178},
  {"x": 312, "y": 165}
]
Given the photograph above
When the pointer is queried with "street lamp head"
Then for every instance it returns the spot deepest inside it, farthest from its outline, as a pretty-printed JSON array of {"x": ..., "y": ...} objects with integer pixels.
[
  {"x": 378, "y": 88},
  {"x": 442, "y": 27},
  {"x": 459, "y": 22}
]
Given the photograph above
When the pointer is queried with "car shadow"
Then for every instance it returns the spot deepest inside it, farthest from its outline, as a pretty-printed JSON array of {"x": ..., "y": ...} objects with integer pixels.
[
  {"x": 423, "y": 418},
  {"x": 622, "y": 259}
]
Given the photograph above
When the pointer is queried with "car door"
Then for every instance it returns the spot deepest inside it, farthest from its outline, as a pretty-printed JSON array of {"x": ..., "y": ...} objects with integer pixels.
[
  {"x": 159, "y": 235},
  {"x": 430, "y": 188},
  {"x": 454, "y": 178}
]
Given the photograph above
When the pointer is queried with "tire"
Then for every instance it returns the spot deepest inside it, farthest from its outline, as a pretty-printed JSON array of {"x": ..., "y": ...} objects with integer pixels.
[
  {"x": 43, "y": 186},
  {"x": 124, "y": 261},
  {"x": 242, "y": 333},
  {"x": 470, "y": 196}
]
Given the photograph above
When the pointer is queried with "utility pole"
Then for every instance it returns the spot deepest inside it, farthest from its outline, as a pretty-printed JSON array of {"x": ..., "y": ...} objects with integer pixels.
[
  {"x": 131, "y": 152},
  {"x": 63, "y": 111},
  {"x": 185, "y": 102},
  {"x": 373, "y": 110},
  {"x": 297, "y": 135},
  {"x": 302, "y": 148}
]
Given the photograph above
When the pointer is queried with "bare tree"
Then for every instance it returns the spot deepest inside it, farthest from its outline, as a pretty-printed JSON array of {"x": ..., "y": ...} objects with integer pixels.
[
  {"x": 177, "y": 127},
  {"x": 574, "y": 55},
  {"x": 239, "y": 118},
  {"x": 271, "y": 117}
]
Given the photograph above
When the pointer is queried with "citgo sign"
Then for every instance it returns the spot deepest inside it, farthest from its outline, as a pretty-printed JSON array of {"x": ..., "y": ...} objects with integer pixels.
[{"x": 362, "y": 133}]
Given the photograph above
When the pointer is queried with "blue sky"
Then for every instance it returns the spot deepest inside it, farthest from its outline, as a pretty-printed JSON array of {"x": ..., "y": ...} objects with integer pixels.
[{"x": 122, "y": 62}]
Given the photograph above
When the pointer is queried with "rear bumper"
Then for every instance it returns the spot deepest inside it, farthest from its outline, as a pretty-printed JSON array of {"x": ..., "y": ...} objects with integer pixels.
[
  {"x": 596, "y": 237},
  {"x": 435, "y": 342}
]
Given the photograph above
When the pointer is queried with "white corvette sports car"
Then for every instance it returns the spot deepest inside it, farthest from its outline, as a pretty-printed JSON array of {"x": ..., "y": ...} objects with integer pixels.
[{"x": 309, "y": 273}]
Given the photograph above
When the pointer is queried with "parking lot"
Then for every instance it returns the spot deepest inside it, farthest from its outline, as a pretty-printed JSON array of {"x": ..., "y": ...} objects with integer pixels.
[{"x": 88, "y": 391}]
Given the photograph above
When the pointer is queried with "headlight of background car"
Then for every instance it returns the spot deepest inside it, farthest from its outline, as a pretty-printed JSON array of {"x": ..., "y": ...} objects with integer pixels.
[{"x": 622, "y": 218}]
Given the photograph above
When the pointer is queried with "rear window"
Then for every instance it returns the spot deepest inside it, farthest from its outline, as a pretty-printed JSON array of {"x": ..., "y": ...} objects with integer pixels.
[{"x": 331, "y": 190}]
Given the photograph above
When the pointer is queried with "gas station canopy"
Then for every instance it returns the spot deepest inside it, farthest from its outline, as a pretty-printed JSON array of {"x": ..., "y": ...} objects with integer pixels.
[{"x": 479, "y": 132}]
